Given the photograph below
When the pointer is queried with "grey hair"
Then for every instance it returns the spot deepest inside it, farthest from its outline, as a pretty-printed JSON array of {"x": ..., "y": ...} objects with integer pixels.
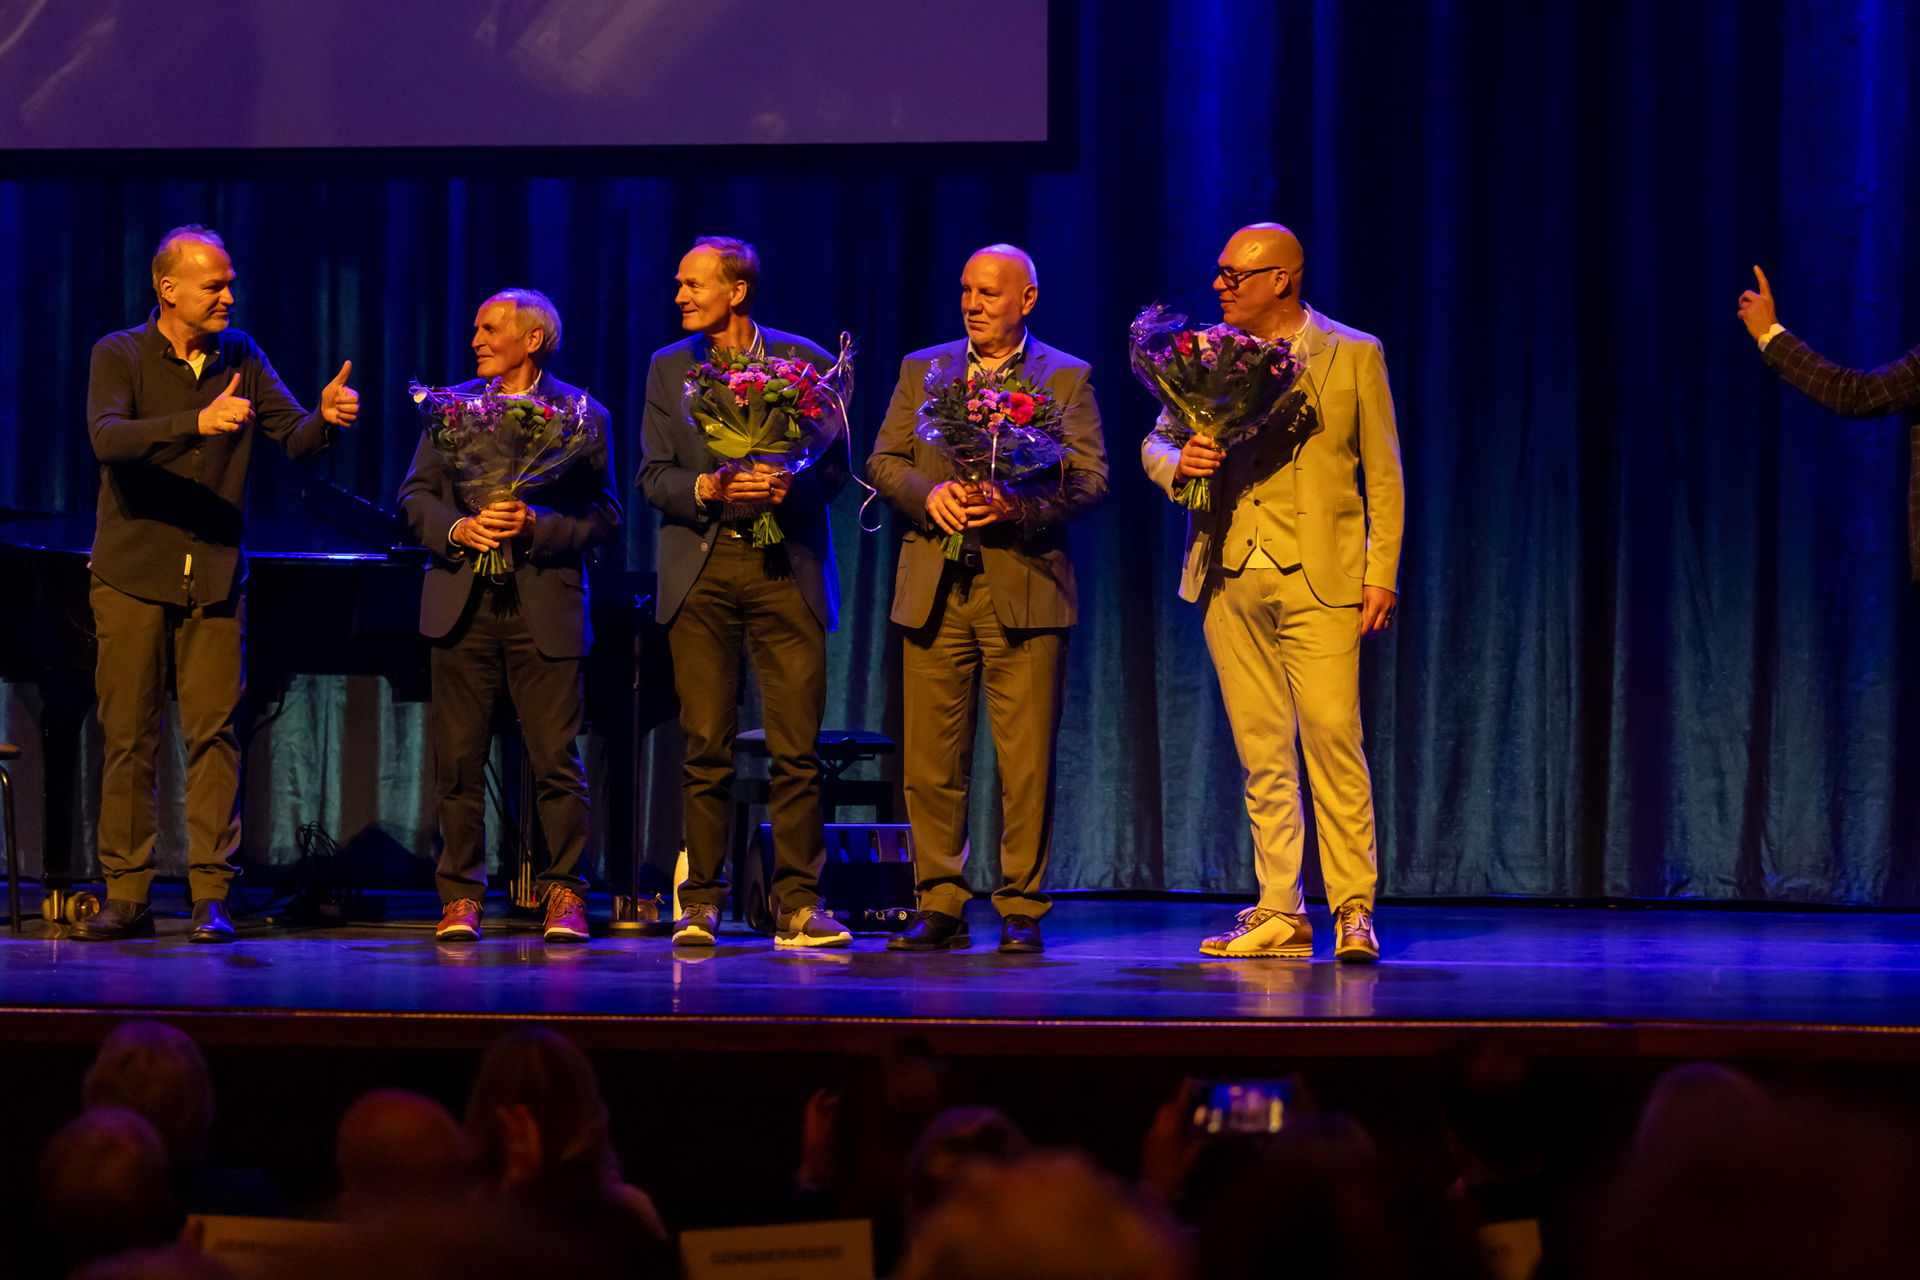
[
  {"x": 1018, "y": 254},
  {"x": 738, "y": 261},
  {"x": 166, "y": 254},
  {"x": 534, "y": 310}
]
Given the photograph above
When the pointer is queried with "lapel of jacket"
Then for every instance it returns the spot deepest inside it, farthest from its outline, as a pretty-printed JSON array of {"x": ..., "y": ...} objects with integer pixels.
[
  {"x": 1318, "y": 349},
  {"x": 950, "y": 361},
  {"x": 1038, "y": 366}
]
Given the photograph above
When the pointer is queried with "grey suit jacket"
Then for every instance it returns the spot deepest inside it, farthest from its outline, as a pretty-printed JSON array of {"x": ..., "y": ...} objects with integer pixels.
[
  {"x": 676, "y": 456},
  {"x": 1028, "y": 568},
  {"x": 576, "y": 511},
  {"x": 1349, "y": 532}
]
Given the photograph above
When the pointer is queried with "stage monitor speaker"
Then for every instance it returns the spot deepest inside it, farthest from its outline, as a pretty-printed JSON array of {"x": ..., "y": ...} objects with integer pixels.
[{"x": 867, "y": 880}]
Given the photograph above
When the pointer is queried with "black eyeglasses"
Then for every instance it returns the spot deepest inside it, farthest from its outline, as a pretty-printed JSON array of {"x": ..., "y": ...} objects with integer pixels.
[{"x": 1235, "y": 279}]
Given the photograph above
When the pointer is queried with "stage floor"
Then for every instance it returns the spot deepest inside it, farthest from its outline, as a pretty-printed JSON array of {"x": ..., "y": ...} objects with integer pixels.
[{"x": 1116, "y": 978}]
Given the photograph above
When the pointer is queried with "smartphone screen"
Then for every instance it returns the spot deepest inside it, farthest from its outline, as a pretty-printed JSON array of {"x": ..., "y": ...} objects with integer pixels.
[{"x": 1241, "y": 1106}]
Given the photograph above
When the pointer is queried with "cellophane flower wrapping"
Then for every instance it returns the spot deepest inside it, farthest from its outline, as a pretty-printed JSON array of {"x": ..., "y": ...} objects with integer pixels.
[
  {"x": 503, "y": 447},
  {"x": 769, "y": 410},
  {"x": 1219, "y": 383},
  {"x": 996, "y": 428}
]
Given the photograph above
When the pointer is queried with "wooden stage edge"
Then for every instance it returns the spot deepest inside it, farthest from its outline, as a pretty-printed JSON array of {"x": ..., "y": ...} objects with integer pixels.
[{"x": 1269, "y": 1039}]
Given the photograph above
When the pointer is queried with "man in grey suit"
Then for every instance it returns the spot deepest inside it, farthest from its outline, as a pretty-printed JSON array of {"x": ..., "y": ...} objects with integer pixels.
[
  {"x": 1294, "y": 562},
  {"x": 720, "y": 594},
  {"x": 529, "y": 629},
  {"x": 1000, "y": 612}
]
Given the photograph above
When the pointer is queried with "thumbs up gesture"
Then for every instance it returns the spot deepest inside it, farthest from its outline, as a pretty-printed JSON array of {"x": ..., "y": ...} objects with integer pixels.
[
  {"x": 1756, "y": 307},
  {"x": 340, "y": 403},
  {"x": 228, "y": 412}
]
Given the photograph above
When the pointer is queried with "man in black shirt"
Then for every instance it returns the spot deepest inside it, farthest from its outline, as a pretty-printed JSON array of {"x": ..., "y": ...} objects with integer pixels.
[{"x": 172, "y": 410}]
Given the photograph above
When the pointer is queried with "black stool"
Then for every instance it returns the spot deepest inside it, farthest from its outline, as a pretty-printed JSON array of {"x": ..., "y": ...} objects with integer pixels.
[
  {"x": 839, "y": 750},
  {"x": 10, "y": 752}
]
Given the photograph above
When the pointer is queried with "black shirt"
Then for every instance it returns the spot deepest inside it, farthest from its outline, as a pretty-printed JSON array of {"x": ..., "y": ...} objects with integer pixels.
[{"x": 172, "y": 501}]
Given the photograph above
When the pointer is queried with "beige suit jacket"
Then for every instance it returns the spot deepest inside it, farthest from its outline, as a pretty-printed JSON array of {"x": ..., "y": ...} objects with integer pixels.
[
  {"x": 1028, "y": 569},
  {"x": 1349, "y": 497}
]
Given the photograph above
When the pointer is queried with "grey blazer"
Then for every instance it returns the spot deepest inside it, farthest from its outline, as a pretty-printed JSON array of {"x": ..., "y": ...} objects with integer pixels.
[{"x": 1027, "y": 566}]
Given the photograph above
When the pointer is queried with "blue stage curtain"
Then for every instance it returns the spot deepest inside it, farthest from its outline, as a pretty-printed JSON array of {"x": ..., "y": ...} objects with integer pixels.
[{"x": 1656, "y": 638}]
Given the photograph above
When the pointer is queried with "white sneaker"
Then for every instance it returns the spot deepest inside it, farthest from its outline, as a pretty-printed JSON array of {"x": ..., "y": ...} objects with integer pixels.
[{"x": 1260, "y": 931}]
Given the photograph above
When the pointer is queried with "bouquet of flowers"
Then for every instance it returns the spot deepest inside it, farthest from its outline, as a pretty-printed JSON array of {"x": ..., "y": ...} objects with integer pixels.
[
  {"x": 1220, "y": 383},
  {"x": 997, "y": 429},
  {"x": 769, "y": 411},
  {"x": 502, "y": 446}
]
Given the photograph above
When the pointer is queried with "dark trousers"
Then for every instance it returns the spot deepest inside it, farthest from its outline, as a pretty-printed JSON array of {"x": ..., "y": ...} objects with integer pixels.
[
  {"x": 490, "y": 647},
  {"x": 943, "y": 665},
  {"x": 207, "y": 646},
  {"x": 739, "y": 601}
]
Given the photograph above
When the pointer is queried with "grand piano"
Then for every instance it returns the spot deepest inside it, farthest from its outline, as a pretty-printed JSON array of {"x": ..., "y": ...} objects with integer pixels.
[{"x": 335, "y": 591}]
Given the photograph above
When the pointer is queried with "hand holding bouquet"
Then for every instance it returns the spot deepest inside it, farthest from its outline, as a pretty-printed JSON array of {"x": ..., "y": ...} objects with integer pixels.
[
  {"x": 501, "y": 447},
  {"x": 996, "y": 429},
  {"x": 768, "y": 413},
  {"x": 1220, "y": 383}
]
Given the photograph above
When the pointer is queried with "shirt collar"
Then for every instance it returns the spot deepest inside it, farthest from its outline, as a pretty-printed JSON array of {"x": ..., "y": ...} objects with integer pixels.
[
  {"x": 150, "y": 335},
  {"x": 756, "y": 345},
  {"x": 1019, "y": 355}
]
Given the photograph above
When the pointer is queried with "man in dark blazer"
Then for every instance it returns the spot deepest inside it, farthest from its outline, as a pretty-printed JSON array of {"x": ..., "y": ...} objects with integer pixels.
[
  {"x": 719, "y": 594},
  {"x": 1857, "y": 393},
  {"x": 529, "y": 629},
  {"x": 1001, "y": 611}
]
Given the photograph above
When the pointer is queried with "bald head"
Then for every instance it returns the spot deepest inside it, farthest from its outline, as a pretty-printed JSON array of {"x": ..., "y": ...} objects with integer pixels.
[
  {"x": 1269, "y": 244},
  {"x": 997, "y": 290},
  {"x": 1259, "y": 279},
  {"x": 395, "y": 1143},
  {"x": 1015, "y": 259}
]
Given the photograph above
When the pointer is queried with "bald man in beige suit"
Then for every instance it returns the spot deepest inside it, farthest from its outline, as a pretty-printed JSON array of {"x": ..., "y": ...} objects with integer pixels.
[{"x": 1296, "y": 560}]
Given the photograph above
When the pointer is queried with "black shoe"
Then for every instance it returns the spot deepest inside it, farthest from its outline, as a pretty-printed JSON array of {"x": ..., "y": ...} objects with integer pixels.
[
  {"x": 1020, "y": 933},
  {"x": 211, "y": 923},
  {"x": 931, "y": 931},
  {"x": 118, "y": 920}
]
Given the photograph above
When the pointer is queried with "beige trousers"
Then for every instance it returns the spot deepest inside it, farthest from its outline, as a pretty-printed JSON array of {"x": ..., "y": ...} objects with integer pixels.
[{"x": 1290, "y": 665}]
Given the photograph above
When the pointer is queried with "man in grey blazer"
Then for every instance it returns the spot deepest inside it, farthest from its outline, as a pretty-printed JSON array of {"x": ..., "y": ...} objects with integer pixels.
[
  {"x": 530, "y": 629},
  {"x": 1000, "y": 612},
  {"x": 1297, "y": 558},
  {"x": 719, "y": 595}
]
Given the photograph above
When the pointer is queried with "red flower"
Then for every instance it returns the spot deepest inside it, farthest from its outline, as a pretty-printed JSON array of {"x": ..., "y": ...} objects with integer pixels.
[
  {"x": 1183, "y": 342},
  {"x": 1020, "y": 408}
]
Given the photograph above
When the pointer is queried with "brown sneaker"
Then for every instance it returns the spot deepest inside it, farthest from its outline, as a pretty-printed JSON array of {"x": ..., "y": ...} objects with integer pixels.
[
  {"x": 459, "y": 921},
  {"x": 1259, "y": 931},
  {"x": 1356, "y": 943},
  {"x": 566, "y": 916},
  {"x": 698, "y": 925}
]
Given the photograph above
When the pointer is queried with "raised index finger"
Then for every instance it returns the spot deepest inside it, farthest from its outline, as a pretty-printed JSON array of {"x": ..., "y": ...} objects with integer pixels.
[{"x": 1766, "y": 290}]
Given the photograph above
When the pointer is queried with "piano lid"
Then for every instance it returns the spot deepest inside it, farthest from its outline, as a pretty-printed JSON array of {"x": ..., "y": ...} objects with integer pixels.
[{"x": 336, "y": 527}]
